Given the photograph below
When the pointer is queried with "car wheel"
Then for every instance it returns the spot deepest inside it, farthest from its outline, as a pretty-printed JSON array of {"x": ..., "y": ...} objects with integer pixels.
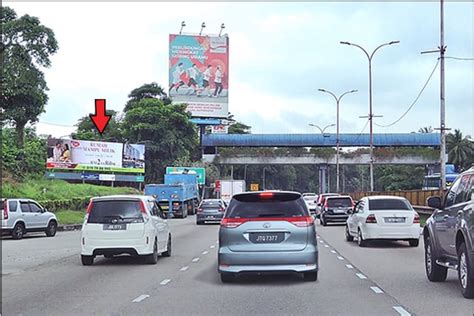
[
  {"x": 18, "y": 231},
  {"x": 87, "y": 260},
  {"x": 349, "y": 237},
  {"x": 323, "y": 221},
  {"x": 310, "y": 276},
  {"x": 465, "y": 272},
  {"x": 51, "y": 229},
  {"x": 360, "y": 240},
  {"x": 227, "y": 277},
  {"x": 153, "y": 258},
  {"x": 167, "y": 253},
  {"x": 434, "y": 272},
  {"x": 414, "y": 242}
]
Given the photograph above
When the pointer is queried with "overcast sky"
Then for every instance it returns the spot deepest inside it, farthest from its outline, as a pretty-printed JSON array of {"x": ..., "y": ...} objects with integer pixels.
[{"x": 280, "y": 54}]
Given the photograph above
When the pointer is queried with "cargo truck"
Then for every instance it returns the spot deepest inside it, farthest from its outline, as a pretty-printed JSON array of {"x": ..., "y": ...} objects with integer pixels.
[
  {"x": 178, "y": 196},
  {"x": 230, "y": 187}
]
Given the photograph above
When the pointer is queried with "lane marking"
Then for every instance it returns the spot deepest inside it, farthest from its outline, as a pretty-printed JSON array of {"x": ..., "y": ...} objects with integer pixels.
[
  {"x": 140, "y": 298},
  {"x": 318, "y": 237},
  {"x": 349, "y": 266},
  {"x": 340, "y": 258},
  {"x": 184, "y": 268},
  {"x": 165, "y": 281},
  {"x": 195, "y": 260},
  {"x": 361, "y": 276},
  {"x": 326, "y": 246},
  {"x": 205, "y": 252},
  {"x": 376, "y": 289},
  {"x": 333, "y": 251},
  {"x": 321, "y": 241},
  {"x": 212, "y": 247},
  {"x": 401, "y": 311}
]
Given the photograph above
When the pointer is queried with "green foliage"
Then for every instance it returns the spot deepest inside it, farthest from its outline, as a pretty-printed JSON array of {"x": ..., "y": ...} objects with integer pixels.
[
  {"x": 66, "y": 217},
  {"x": 391, "y": 178},
  {"x": 460, "y": 150},
  {"x": 146, "y": 91},
  {"x": 237, "y": 127},
  {"x": 87, "y": 131}
]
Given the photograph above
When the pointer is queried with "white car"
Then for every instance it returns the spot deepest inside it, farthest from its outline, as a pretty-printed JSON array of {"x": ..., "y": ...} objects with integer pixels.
[
  {"x": 125, "y": 224},
  {"x": 383, "y": 217},
  {"x": 311, "y": 201}
]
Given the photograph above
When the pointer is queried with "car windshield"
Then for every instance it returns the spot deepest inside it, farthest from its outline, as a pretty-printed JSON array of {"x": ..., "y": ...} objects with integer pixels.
[
  {"x": 254, "y": 206},
  {"x": 388, "y": 204},
  {"x": 339, "y": 202},
  {"x": 122, "y": 211},
  {"x": 309, "y": 198}
]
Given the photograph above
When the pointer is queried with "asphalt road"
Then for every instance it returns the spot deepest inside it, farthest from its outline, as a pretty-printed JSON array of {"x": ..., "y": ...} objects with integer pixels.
[{"x": 44, "y": 276}]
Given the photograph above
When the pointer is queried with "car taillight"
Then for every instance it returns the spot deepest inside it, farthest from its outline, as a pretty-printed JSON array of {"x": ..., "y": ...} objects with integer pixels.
[
  {"x": 371, "y": 219},
  {"x": 303, "y": 221},
  {"x": 232, "y": 222},
  {"x": 5, "y": 210},
  {"x": 416, "y": 220},
  {"x": 89, "y": 207},
  {"x": 326, "y": 204},
  {"x": 142, "y": 207},
  {"x": 199, "y": 210}
]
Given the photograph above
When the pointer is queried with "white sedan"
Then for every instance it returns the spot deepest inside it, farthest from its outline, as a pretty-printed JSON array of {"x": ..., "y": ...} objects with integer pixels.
[{"x": 384, "y": 218}]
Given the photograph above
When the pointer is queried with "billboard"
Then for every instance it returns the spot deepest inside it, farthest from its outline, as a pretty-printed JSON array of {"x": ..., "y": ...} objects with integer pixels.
[
  {"x": 85, "y": 155},
  {"x": 201, "y": 172},
  {"x": 199, "y": 73},
  {"x": 219, "y": 129}
]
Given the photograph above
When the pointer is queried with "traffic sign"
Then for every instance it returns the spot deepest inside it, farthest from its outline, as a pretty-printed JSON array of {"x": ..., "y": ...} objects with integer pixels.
[
  {"x": 201, "y": 172},
  {"x": 254, "y": 187}
]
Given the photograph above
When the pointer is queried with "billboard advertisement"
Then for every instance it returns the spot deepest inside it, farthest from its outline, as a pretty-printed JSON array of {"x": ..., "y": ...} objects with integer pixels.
[
  {"x": 220, "y": 129},
  {"x": 199, "y": 73},
  {"x": 85, "y": 155}
]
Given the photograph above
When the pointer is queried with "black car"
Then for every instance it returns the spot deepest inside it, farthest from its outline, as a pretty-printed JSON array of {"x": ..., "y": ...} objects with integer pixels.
[
  {"x": 210, "y": 210},
  {"x": 335, "y": 209},
  {"x": 449, "y": 234}
]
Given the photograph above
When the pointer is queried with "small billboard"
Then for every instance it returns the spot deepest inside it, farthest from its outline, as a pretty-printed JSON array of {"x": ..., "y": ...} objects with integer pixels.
[{"x": 201, "y": 172}]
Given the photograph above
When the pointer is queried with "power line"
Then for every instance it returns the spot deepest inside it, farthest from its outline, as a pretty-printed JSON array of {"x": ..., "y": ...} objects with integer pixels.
[
  {"x": 56, "y": 124},
  {"x": 460, "y": 58},
  {"x": 414, "y": 102}
]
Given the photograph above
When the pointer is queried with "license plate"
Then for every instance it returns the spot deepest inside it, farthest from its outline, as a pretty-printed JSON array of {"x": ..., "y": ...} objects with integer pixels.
[
  {"x": 115, "y": 226},
  {"x": 340, "y": 211},
  {"x": 267, "y": 238},
  {"x": 394, "y": 219},
  {"x": 210, "y": 217}
]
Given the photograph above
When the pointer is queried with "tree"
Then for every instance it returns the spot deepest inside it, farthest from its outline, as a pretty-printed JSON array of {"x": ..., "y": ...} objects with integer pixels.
[
  {"x": 426, "y": 130},
  {"x": 237, "y": 127},
  {"x": 87, "y": 131},
  {"x": 146, "y": 91},
  {"x": 26, "y": 47},
  {"x": 460, "y": 150}
]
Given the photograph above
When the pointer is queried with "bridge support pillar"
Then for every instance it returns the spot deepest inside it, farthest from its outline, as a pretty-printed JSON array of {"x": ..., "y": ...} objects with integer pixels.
[{"x": 323, "y": 178}]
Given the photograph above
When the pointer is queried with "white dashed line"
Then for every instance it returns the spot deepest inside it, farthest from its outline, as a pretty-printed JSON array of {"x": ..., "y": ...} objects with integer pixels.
[
  {"x": 140, "y": 298},
  {"x": 361, "y": 276},
  {"x": 326, "y": 246},
  {"x": 321, "y": 241},
  {"x": 205, "y": 252},
  {"x": 333, "y": 251},
  {"x": 195, "y": 260},
  {"x": 318, "y": 237},
  {"x": 376, "y": 289},
  {"x": 340, "y": 258},
  {"x": 401, "y": 311},
  {"x": 212, "y": 247},
  {"x": 349, "y": 266},
  {"x": 165, "y": 281},
  {"x": 184, "y": 268}
]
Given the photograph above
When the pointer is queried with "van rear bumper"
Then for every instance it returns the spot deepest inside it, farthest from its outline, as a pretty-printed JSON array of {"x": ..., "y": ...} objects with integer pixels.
[{"x": 93, "y": 247}]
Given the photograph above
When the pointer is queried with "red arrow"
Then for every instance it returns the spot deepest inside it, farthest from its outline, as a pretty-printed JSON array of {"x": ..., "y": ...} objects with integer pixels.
[{"x": 100, "y": 119}]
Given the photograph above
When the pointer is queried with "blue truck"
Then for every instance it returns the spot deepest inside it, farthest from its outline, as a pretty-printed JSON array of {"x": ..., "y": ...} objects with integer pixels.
[{"x": 178, "y": 196}]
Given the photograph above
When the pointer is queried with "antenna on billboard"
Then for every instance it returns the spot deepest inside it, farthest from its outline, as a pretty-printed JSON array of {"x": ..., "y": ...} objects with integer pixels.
[
  {"x": 183, "y": 24},
  {"x": 222, "y": 28},
  {"x": 203, "y": 25}
]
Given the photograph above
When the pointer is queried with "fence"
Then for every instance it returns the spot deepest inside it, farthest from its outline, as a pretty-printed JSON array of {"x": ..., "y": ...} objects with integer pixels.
[{"x": 416, "y": 197}]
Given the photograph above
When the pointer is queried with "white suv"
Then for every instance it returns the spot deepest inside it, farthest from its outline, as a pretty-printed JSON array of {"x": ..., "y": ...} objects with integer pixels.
[{"x": 125, "y": 224}]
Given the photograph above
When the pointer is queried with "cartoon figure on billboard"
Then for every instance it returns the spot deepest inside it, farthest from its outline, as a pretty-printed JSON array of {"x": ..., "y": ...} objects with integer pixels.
[{"x": 177, "y": 77}]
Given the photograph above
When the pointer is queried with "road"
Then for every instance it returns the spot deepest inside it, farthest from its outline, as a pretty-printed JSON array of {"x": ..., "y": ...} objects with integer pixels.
[{"x": 44, "y": 276}]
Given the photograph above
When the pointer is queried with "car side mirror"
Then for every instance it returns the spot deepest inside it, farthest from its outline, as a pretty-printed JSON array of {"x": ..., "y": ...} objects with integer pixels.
[
  {"x": 44, "y": 210},
  {"x": 434, "y": 202}
]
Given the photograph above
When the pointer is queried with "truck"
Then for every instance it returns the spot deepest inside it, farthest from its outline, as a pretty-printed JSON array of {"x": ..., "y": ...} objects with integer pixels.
[
  {"x": 230, "y": 187},
  {"x": 432, "y": 181},
  {"x": 178, "y": 196}
]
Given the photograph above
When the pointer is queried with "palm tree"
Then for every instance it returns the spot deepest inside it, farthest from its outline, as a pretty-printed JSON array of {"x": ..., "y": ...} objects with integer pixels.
[
  {"x": 426, "y": 130},
  {"x": 460, "y": 149}
]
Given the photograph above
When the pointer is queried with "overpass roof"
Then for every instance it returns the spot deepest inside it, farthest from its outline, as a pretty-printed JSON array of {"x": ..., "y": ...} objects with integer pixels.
[{"x": 320, "y": 140}]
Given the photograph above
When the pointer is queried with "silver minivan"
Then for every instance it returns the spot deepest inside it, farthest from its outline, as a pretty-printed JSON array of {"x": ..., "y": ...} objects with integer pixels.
[
  {"x": 20, "y": 216},
  {"x": 267, "y": 232}
]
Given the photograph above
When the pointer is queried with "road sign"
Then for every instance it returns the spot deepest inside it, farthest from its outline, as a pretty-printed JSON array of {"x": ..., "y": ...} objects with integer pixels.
[
  {"x": 201, "y": 172},
  {"x": 89, "y": 176},
  {"x": 254, "y": 187}
]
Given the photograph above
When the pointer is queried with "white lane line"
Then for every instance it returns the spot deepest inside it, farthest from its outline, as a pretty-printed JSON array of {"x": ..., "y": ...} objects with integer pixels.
[
  {"x": 212, "y": 247},
  {"x": 340, "y": 258},
  {"x": 401, "y": 311},
  {"x": 165, "y": 281},
  {"x": 318, "y": 237},
  {"x": 349, "y": 266},
  {"x": 361, "y": 276},
  {"x": 184, "y": 268},
  {"x": 333, "y": 251},
  {"x": 195, "y": 260},
  {"x": 376, "y": 289},
  {"x": 140, "y": 298},
  {"x": 326, "y": 246},
  {"x": 205, "y": 252},
  {"x": 321, "y": 241}
]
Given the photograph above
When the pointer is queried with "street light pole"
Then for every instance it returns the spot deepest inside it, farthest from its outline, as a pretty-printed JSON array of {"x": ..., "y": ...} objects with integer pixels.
[
  {"x": 322, "y": 129},
  {"x": 338, "y": 99},
  {"x": 371, "y": 115}
]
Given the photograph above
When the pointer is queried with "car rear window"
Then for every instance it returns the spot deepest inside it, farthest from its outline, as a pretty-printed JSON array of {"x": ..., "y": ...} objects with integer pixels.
[
  {"x": 12, "y": 205},
  {"x": 339, "y": 202},
  {"x": 210, "y": 204},
  {"x": 278, "y": 205},
  {"x": 388, "y": 204},
  {"x": 124, "y": 211}
]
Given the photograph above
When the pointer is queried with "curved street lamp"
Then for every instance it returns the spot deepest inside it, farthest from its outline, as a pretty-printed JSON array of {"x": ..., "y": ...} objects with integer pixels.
[{"x": 322, "y": 129}]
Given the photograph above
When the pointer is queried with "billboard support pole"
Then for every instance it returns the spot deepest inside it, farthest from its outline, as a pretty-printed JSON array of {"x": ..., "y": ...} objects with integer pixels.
[{"x": 202, "y": 130}]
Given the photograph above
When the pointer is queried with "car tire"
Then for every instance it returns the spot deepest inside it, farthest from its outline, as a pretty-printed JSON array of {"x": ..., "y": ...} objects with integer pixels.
[
  {"x": 310, "y": 276},
  {"x": 87, "y": 260},
  {"x": 434, "y": 272},
  {"x": 323, "y": 221},
  {"x": 167, "y": 253},
  {"x": 349, "y": 237},
  {"x": 18, "y": 231},
  {"x": 227, "y": 277},
  {"x": 199, "y": 222},
  {"x": 465, "y": 272},
  {"x": 414, "y": 242},
  {"x": 360, "y": 240},
  {"x": 51, "y": 229},
  {"x": 153, "y": 258}
]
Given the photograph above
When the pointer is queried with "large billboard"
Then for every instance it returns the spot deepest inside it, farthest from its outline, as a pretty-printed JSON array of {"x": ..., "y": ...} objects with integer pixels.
[
  {"x": 85, "y": 155},
  {"x": 199, "y": 73}
]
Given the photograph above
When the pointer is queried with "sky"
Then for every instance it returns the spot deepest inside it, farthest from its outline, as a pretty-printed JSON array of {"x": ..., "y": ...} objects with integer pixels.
[{"x": 280, "y": 55}]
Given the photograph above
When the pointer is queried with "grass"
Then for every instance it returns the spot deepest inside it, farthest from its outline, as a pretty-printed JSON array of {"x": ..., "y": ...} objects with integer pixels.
[
  {"x": 70, "y": 217},
  {"x": 43, "y": 189},
  {"x": 423, "y": 218}
]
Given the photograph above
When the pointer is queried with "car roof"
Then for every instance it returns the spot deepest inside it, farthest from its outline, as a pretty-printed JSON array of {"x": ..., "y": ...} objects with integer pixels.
[
  {"x": 122, "y": 197},
  {"x": 338, "y": 197},
  {"x": 380, "y": 197},
  {"x": 272, "y": 191},
  {"x": 212, "y": 200}
]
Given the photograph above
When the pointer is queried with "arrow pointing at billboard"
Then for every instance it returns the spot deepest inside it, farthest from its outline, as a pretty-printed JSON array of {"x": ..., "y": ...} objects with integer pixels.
[{"x": 100, "y": 119}]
